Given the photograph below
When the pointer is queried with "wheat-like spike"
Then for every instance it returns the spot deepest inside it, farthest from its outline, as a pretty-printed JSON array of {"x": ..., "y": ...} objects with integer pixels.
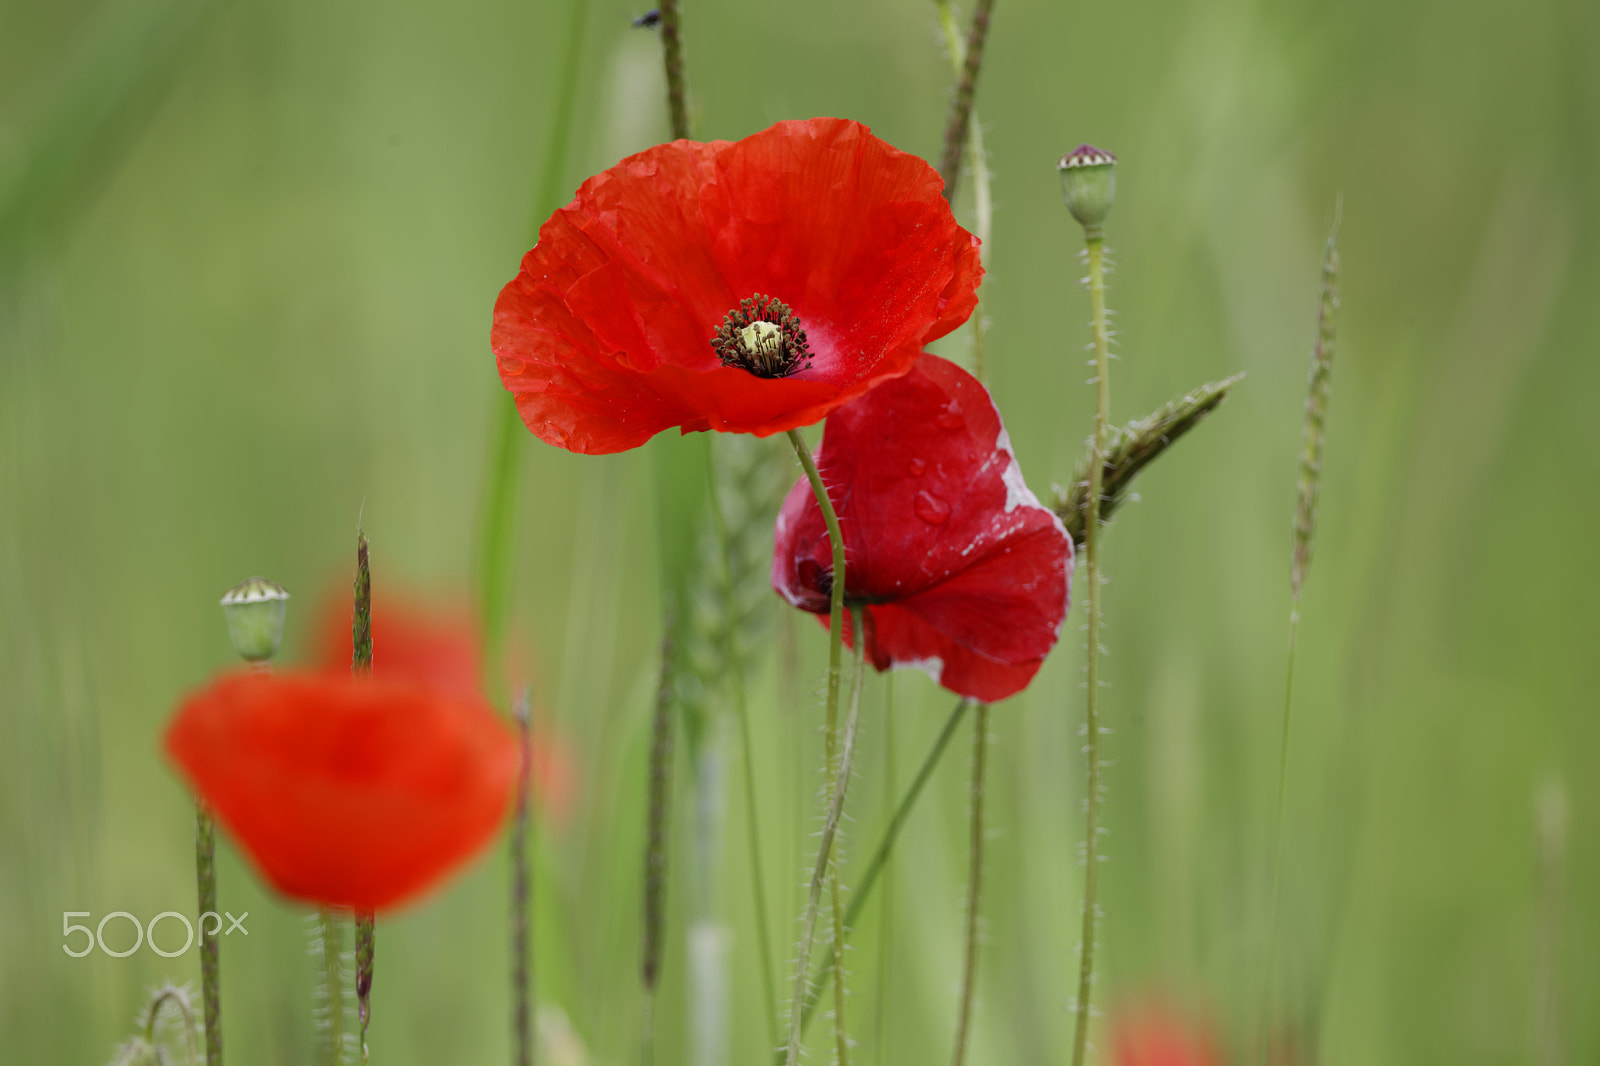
[
  {"x": 1132, "y": 448},
  {"x": 1318, "y": 387}
]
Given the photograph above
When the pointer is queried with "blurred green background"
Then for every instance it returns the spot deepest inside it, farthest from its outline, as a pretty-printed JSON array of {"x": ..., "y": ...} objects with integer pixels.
[{"x": 248, "y": 254}]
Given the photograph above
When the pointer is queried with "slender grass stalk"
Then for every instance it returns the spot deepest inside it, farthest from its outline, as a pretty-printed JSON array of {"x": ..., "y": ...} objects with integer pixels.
[
  {"x": 837, "y": 781},
  {"x": 955, "y": 129},
  {"x": 1095, "y": 247},
  {"x": 880, "y": 855},
  {"x": 978, "y": 160},
  {"x": 969, "y": 974},
  {"x": 498, "y": 515},
  {"x": 521, "y": 895},
  {"x": 758, "y": 888},
  {"x": 205, "y": 875},
  {"x": 361, "y": 663},
  {"x": 672, "y": 56},
  {"x": 1305, "y": 525},
  {"x": 655, "y": 858}
]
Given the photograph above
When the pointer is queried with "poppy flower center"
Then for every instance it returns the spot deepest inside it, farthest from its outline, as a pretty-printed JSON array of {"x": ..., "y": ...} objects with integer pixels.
[{"x": 762, "y": 335}]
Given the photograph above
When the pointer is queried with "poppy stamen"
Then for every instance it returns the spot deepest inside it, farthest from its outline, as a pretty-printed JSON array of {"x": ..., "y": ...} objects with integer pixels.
[{"x": 762, "y": 335}]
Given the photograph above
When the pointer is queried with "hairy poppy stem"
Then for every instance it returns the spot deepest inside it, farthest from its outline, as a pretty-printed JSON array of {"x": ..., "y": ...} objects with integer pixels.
[
  {"x": 969, "y": 975},
  {"x": 521, "y": 976},
  {"x": 880, "y": 855},
  {"x": 333, "y": 978},
  {"x": 205, "y": 874},
  {"x": 886, "y": 908},
  {"x": 837, "y": 782},
  {"x": 955, "y": 129},
  {"x": 672, "y": 55},
  {"x": 1305, "y": 524},
  {"x": 1091, "y": 849}
]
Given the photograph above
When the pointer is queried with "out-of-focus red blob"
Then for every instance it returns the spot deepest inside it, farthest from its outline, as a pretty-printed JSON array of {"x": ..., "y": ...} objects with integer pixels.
[
  {"x": 438, "y": 647},
  {"x": 960, "y": 569},
  {"x": 605, "y": 336},
  {"x": 346, "y": 791},
  {"x": 1157, "y": 1036}
]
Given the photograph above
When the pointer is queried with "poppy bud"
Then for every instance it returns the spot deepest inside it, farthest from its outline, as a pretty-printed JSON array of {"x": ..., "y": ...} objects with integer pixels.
[
  {"x": 254, "y": 609},
  {"x": 1089, "y": 185}
]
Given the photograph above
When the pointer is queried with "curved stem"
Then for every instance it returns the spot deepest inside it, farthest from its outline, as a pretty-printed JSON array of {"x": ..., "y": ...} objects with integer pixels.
[
  {"x": 969, "y": 976},
  {"x": 880, "y": 855},
  {"x": 1091, "y": 847},
  {"x": 837, "y": 781}
]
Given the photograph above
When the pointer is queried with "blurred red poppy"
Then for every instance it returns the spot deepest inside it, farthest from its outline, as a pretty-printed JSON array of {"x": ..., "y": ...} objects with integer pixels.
[
  {"x": 346, "y": 791},
  {"x": 1159, "y": 1037},
  {"x": 437, "y": 647},
  {"x": 962, "y": 572},
  {"x": 748, "y": 286}
]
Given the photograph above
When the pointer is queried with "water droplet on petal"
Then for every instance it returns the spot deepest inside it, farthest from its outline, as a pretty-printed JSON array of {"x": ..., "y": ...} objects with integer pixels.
[
  {"x": 917, "y": 467},
  {"x": 949, "y": 416},
  {"x": 511, "y": 365},
  {"x": 930, "y": 508}
]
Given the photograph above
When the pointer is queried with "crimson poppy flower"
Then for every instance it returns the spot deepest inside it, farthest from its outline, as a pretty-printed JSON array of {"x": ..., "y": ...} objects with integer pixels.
[
  {"x": 960, "y": 569},
  {"x": 748, "y": 286},
  {"x": 437, "y": 647},
  {"x": 346, "y": 791},
  {"x": 1159, "y": 1037}
]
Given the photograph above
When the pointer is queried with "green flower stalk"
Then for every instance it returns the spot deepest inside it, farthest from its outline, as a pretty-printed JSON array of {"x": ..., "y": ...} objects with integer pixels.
[
  {"x": 1088, "y": 183},
  {"x": 254, "y": 610},
  {"x": 147, "y": 1048}
]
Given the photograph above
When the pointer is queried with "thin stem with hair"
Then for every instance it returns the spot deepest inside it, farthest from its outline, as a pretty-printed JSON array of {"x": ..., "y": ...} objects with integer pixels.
[
  {"x": 655, "y": 856},
  {"x": 969, "y": 973},
  {"x": 886, "y": 910},
  {"x": 837, "y": 781},
  {"x": 1095, "y": 247},
  {"x": 880, "y": 855}
]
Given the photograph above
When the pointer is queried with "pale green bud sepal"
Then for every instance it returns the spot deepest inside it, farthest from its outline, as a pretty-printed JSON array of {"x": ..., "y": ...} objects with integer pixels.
[
  {"x": 255, "y": 609},
  {"x": 1089, "y": 185}
]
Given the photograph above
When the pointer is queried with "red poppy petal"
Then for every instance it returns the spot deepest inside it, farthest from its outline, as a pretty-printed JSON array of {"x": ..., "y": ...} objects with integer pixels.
[
  {"x": 604, "y": 336},
  {"x": 899, "y": 638},
  {"x": 350, "y": 792},
  {"x": 939, "y": 525}
]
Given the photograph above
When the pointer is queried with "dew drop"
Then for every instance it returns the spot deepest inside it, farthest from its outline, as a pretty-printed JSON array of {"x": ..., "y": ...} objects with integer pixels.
[
  {"x": 930, "y": 508},
  {"x": 917, "y": 467},
  {"x": 949, "y": 416},
  {"x": 511, "y": 365}
]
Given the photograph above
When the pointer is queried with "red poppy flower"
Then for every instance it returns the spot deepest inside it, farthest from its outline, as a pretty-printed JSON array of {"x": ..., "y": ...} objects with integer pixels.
[
  {"x": 748, "y": 286},
  {"x": 346, "y": 791},
  {"x": 437, "y": 647},
  {"x": 1159, "y": 1037},
  {"x": 962, "y": 572}
]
